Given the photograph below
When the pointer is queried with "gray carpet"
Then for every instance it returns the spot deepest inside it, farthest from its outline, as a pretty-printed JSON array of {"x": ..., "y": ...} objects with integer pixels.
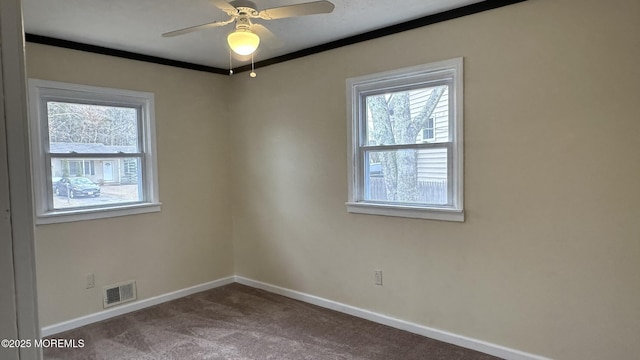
[{"x": 236, "y": 322}]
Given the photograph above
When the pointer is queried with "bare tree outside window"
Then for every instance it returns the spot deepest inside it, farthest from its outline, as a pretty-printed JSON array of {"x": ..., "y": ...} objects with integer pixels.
[
  {"x": 400, "y": 118},
  {"x": 92, "y": 124}
]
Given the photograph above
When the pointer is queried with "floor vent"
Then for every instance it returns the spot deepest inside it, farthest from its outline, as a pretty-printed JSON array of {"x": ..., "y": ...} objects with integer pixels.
[{"x": 119, "y": 293}]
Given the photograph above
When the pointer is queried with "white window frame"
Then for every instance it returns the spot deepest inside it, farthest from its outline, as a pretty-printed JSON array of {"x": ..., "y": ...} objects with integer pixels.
[
  {"x": 41, "y": 91},
  {"x": 357, "y": 89}
]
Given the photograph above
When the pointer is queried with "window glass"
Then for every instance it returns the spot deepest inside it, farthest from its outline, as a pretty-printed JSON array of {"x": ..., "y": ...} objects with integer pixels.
[
  {"x": 95, "y": 182},
  {"x": 86, "y": 129},
  {"x": 407, "y": 176},
  {"x": 403, "y": 117}
]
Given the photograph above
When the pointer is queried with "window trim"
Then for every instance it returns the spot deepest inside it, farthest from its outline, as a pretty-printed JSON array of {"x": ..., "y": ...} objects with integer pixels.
[
  {"x": 42, "y": 90},
  {"x": 417, "y": 76}
]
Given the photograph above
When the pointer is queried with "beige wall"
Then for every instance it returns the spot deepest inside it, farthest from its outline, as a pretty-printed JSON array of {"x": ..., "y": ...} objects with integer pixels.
[
  {"x": 190, "y": 241},
  {"x": 548, "y": 259}
]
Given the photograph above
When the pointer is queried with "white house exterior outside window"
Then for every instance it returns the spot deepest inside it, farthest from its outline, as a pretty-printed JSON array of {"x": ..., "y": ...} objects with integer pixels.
[
  {"x": 93, "y": 152},
  {"x": 406, "y": 142}
]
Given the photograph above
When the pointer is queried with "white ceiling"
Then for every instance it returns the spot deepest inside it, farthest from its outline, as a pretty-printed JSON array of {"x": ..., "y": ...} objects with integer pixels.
[{"x": 136, "y": 25}]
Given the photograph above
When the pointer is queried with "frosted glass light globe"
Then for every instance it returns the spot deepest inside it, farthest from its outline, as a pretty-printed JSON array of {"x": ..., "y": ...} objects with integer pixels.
[{"x": 243, "y": 42}]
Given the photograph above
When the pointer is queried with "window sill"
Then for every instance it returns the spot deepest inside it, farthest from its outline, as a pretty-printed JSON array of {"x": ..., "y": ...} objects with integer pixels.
[
  {"x": 63, "y": 216},
  {"x": 405, "y": 211}
]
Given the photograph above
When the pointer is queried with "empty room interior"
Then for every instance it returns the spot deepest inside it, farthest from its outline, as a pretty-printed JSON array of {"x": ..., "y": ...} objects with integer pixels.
[{"x": 264, "y": 184}]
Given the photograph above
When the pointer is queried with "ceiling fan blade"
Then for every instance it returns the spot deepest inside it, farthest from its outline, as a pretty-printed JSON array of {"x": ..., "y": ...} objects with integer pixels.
[
  {"x": 196, "y": 28},
  {"x": 310, "y": 8},
  {"x": 270, "y": 39},
  {"x": 225, "y": 6}
]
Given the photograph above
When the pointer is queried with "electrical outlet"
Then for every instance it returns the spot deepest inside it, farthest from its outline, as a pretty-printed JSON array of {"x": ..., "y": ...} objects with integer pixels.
[
  {"x": 90, "y": 281},
  {"x": 378, "y": 277}
]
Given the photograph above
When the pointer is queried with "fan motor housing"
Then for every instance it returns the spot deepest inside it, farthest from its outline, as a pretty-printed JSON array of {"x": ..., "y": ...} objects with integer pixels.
[{"x": 245, "y": 6}]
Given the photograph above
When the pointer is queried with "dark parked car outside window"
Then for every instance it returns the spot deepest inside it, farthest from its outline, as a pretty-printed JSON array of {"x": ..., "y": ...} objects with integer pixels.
[{"x": 76, "y": 186}]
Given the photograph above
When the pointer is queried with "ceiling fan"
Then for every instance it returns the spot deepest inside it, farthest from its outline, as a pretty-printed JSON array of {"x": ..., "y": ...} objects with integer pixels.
[{"x": 245, "y": 39}]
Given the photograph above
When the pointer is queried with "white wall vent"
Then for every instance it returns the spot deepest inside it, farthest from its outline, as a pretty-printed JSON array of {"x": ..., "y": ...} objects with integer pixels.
[{"x": 119, "y": 293}]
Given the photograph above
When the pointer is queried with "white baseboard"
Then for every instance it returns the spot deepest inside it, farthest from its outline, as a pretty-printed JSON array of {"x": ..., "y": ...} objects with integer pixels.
[
  {"x": 133, "y": 306},
  {"x": 463, "y": 341}
]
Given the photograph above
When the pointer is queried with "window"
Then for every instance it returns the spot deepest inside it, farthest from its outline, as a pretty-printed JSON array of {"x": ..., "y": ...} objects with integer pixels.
[
  {"x": 427, "y": 132},
  {"x": 93, "y": 152},
  {"x": 405, "y": 142},
  {"x": 79, "y": 167}
]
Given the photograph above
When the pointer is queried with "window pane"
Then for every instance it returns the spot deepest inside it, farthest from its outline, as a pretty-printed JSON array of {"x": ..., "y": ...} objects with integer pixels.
[
  {"x": 407, "y": 176},
  {"x": 408, "y": 117},
  {"x": 83, "y": 128},
  {"x": 94, "y": 182}
]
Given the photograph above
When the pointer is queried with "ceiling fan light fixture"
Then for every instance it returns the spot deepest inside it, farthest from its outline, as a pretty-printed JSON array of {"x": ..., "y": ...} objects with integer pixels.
[{"x": 243, "y": 41}]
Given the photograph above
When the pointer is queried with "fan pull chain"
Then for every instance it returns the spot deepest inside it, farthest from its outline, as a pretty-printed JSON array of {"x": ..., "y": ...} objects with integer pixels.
[
  {"x": 230, "y": 64},
  {"x": 252, "y": 73}
]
